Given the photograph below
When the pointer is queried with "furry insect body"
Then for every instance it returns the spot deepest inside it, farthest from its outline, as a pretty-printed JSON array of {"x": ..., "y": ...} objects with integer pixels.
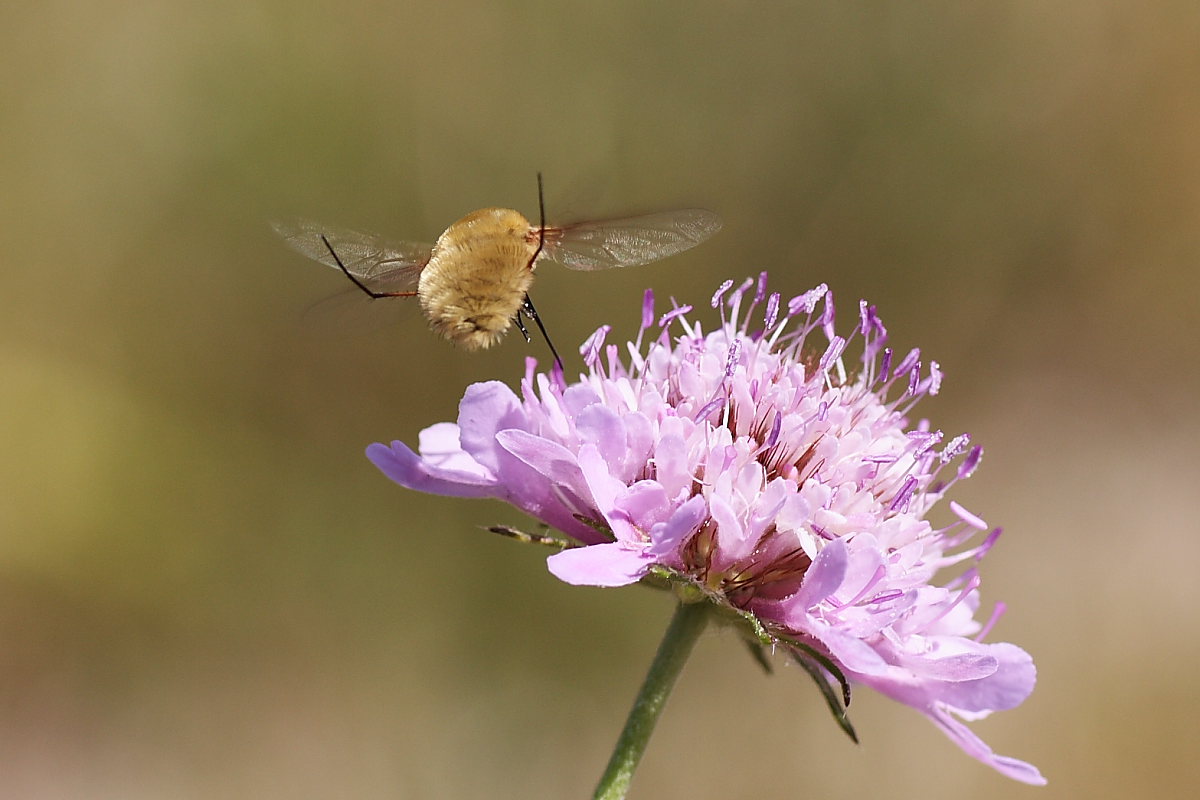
[{"x": 477, "y": 277}]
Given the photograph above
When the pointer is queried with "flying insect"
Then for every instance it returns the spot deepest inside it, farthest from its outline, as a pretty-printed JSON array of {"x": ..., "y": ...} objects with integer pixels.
[{"x": 473, "y": 283}]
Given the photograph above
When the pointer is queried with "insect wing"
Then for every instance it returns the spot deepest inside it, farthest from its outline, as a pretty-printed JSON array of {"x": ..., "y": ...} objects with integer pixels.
[
  {"x": 629, "y": 241},
  {"x": 379, "y": 264}
]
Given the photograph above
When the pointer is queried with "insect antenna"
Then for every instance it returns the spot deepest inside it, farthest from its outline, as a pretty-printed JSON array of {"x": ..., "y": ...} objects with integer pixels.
[
  {"x": 369, "y": 292},
  {"x": 527, "y": 306}
]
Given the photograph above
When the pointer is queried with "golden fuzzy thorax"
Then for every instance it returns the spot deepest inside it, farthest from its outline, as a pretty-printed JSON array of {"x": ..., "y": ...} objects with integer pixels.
[{"x": 477, "y": 277}]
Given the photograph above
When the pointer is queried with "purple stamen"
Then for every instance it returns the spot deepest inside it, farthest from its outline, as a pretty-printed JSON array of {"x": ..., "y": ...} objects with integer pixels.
[
  {"x": 972, "y": 583},
  {"x": 772, "y": 310},
  {"x": 875, "y": 337},
  {"x": 819, "y": 531},
  {"x": 923, "y": 440},
  {"x": 955, "y": 447},
  {"x": 880, "y": 572},
  {"x": 672, "y": 315},
  {"x": 914, "y": 378},
  {"x": 935, "y": 377},
  {"x": 970, "y": 462},
  {"x": 731, "y": 359},
  {"x": 807, "y": 302},
  {"x": 901, "y": 500},
  {"x": 988, "y": 542},
  {"x": 735, "y": 297},
  {"x": 648, "y": 309},
  {"x": 712, "y": 405},
  {"x": 997, "y": 613},
  {"x": 907, "y": 364},
  {"x": 885, "y": 363},
  {"x": 773, "y": 437},
  {"x": 721, "y": 290},
  {"x": 832, "y": 353},
  {"x": 828, "y": 316},
  {"x": 967, "y": 516},
  {"x": 591, "y": 347}
]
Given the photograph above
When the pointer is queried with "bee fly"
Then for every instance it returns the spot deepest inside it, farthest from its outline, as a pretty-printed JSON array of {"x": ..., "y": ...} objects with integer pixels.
[{"x": 473, "y": 283}]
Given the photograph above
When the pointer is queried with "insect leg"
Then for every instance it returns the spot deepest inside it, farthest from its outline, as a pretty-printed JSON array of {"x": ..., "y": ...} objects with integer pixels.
[
  {"x": 521, "y": 327},
  {"x": 369, "y": 292}
]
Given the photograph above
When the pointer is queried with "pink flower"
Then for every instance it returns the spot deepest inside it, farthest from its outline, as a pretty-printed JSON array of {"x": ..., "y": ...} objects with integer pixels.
[{"x": 760, "y": 467}]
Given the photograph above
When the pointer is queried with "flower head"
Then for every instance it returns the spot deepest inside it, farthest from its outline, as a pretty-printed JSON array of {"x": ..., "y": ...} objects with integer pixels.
[{"x": 754, "y": 461}]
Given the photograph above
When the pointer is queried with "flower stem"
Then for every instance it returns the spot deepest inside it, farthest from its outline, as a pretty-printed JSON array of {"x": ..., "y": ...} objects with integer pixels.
[{"x": 673, "y": 651}]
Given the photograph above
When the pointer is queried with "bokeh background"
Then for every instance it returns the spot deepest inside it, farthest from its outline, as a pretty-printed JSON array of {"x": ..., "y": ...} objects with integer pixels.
[{"x": 207, "y": 591}]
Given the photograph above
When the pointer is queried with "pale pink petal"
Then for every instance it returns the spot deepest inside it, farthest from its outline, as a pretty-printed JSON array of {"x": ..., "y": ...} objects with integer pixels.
[
  {"x": 550, "y": 459},
  {"x": 666, "y": 537},
  {"x": 611, "y": 564},
  {"x": 486, "y": 409},
  {"x": 645, "y": 501},
  {"x": 408, "y": 469},
  {"x": 438, "y": 445},
  {"x": 603, "y": 428},
  {"x": 730, "y": 530},
  {"x": 1012, "y": 681},
  {"x": 824, "y": 577},
  {"x": 973, "y": 746}
]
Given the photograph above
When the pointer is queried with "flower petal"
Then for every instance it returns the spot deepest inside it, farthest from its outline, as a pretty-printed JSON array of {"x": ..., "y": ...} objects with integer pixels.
[
  {"x": 438, "y": 444},
  {"x": 550, "y": 459},
  {"x": 603, "y": 428},
  {"x": 667, "y": 537},
  {"x": 671, "y": 467},
  {"x": 645, "y": 503},
  {"x": 486, "y": 409},
  {"x": 611, "y": 564},
  {"x": 605, "y": 489},
  {"x": 975, "y": 747},
  {"x": 730, "y": 531},
  {"x": 823, "y": 578},
  {"x": 408, "y": 469},
  {"x": 1006, "y": 687}
]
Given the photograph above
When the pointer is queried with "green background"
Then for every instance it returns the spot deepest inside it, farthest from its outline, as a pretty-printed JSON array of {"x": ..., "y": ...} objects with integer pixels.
[{"x": 207, "y": 591}]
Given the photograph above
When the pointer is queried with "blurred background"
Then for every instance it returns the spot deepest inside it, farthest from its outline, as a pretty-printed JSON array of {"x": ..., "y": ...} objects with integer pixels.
[{"x": 207, "y": 591}]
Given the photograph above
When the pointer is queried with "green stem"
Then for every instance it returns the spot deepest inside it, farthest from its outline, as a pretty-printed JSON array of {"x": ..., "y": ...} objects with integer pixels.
[{"x": 685, "y": 628}]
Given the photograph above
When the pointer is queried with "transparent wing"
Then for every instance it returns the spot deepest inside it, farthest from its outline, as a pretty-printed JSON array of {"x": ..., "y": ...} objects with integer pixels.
[
  {"x": 629, "y": 241},
  {"x": 376, "y": 262}
]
